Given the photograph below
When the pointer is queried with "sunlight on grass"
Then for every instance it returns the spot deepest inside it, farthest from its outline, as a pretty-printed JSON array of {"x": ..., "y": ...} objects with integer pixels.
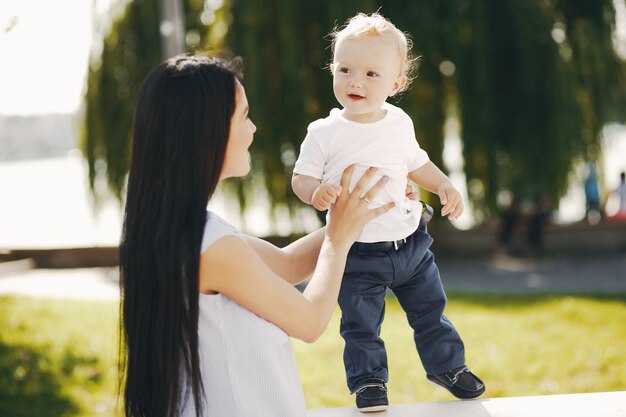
[
  {"x": 58, "y": 358},
  {"x": 519, "y": 345}
]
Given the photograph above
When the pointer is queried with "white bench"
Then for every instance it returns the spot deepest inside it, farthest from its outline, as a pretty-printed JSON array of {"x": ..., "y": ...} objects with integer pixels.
[{"x": 601, "y": 404}]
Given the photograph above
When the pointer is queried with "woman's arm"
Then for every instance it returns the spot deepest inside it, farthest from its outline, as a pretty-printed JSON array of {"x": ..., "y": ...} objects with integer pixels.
[
  {"x": 294, "y": 263},
  {"x": 232, "y": 266}
]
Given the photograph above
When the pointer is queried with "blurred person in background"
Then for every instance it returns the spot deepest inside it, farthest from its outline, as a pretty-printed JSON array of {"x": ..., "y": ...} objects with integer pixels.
[
  {"x": 620, "y": 192},
  {"x": 593, "y": 209}
]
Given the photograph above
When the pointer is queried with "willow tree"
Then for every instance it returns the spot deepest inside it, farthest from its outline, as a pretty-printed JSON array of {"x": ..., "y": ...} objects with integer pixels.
[
  {"x": 130, "y": 49},
  {"x": 287, "y": 79},
  {"x": 531, "y": 81},
  {"x": 537, "y": 81}
]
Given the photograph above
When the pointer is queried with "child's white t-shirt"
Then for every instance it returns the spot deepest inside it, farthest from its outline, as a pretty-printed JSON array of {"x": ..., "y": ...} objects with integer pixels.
[{"x": 334, "y": 143}]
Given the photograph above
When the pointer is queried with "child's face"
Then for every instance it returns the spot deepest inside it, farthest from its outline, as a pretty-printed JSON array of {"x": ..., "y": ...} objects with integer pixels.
[{"x": 365, "y": 72}]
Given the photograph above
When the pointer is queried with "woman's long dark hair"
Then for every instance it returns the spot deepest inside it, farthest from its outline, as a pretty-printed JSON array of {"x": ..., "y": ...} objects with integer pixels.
[{"x": 180, "y": 134}]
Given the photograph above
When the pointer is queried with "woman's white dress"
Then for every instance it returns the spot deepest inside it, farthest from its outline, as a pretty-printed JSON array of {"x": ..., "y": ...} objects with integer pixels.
[{"x": 247, "y": 363}]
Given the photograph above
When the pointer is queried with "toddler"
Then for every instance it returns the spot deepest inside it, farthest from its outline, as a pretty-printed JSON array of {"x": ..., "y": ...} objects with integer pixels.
[{"x": 371, "y": 62}]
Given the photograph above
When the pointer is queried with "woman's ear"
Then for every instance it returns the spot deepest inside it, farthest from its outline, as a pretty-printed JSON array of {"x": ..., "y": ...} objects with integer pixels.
[{"x": 331, "y": 67}]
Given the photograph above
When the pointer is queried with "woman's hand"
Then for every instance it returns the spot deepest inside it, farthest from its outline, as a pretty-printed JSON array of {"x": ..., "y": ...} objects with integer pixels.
[
  {"x": 410, "y": 193},
  {"x": 350, "y": 213}
]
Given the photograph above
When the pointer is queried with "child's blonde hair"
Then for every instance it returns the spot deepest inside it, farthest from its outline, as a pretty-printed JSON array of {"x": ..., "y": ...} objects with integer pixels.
[{"x": 362, "y": 25}]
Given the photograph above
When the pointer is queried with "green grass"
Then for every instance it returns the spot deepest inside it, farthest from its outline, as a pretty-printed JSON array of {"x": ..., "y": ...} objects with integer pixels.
[
  {"x": 519, "y": 345},
  {"x": 57, "y": 358}
]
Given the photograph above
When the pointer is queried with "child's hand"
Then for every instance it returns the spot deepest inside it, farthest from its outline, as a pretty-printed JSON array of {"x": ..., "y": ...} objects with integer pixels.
[
  {"x": 450, "y": 200},
  {"x": 324, "y": 196}
]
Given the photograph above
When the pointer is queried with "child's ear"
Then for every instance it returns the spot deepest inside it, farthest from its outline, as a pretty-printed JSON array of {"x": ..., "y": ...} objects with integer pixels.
[
  {"x": 331, "y": 67},
  {"x": 398, "y": 84}
]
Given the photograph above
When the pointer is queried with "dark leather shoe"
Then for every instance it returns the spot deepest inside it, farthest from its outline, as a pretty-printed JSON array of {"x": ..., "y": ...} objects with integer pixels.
[
  {"x": 460, "y": 382},
  {"x": 371, "y": 395}
]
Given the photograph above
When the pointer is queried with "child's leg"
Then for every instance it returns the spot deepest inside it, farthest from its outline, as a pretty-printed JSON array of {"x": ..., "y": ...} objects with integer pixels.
[
  {"x": 362, "y": 302},
  {"x": 421, "y": 295}
]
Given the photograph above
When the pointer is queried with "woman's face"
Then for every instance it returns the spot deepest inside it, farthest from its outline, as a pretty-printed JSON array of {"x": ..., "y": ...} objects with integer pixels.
[{"x": 237, "y": 160}]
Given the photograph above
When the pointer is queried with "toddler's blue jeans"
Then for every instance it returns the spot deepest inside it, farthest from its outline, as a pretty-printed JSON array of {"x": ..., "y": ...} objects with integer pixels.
[{"x": 411, "y": 273}]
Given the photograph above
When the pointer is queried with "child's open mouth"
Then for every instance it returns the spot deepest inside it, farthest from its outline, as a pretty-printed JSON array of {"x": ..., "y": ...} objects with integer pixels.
[{"x": 355, "y": 97}]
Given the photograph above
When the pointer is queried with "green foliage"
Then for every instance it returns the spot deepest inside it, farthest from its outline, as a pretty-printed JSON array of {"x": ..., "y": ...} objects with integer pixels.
[
  {"x": 532, "y": 84},
  {"x": 129, "y": 51},
  {"x": 536, "y": 83},
  {"x": 287, "y": 80}
]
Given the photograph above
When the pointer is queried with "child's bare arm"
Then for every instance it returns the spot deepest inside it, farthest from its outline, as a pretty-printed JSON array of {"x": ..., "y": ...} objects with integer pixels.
[
  {"x": 311, "y": 191},
  {"x": 304, "y": 186},
  {"x": 431, "y": 178}
]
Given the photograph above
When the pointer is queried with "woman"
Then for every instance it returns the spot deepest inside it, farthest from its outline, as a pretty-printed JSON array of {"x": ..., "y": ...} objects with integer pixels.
[{"x": 206, "y": 311}]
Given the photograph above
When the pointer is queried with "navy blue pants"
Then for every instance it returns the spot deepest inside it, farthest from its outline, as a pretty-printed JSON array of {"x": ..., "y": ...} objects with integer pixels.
[{"x": 412, "y": 275}]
